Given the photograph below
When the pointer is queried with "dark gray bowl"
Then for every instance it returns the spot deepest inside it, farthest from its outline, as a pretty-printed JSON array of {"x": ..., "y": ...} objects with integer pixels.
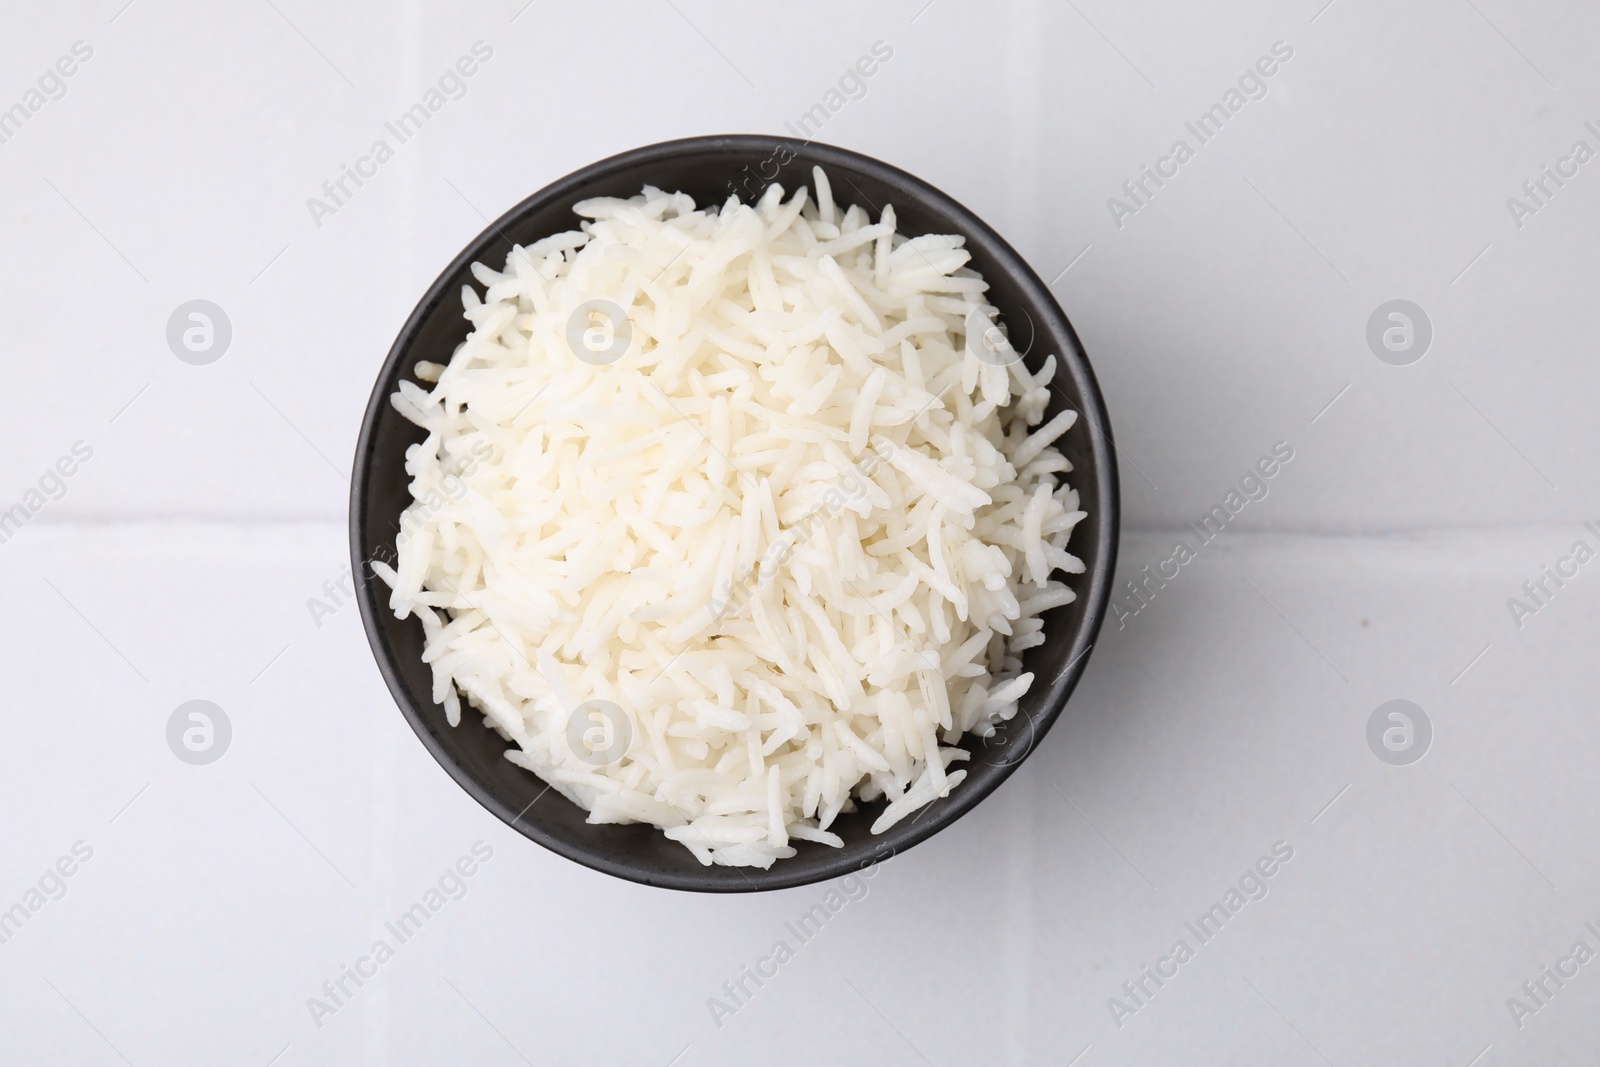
[{"x": 709, "y": 169}]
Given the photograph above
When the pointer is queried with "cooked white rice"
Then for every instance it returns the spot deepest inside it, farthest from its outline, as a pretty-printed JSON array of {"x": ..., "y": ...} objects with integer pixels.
[{"x": 780, "y": 519}]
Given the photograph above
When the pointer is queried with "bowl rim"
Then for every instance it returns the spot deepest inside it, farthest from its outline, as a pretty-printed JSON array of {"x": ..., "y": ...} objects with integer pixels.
[{"x": 372, "y": 593}]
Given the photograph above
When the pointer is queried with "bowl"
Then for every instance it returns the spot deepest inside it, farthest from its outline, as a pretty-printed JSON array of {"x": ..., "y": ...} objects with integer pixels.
[{"x": 709, "y": 169}]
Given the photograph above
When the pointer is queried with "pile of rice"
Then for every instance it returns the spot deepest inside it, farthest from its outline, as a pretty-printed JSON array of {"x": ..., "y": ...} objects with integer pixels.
[{"x": 761, "y": 547}]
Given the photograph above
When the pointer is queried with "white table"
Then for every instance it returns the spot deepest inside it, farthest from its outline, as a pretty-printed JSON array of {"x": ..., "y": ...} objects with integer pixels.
[{"x": 1228, "y": 311}]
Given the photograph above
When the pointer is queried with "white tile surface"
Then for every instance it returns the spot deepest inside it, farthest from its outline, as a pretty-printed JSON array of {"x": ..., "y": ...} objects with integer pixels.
[{"x": 1225, "y": 716}]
